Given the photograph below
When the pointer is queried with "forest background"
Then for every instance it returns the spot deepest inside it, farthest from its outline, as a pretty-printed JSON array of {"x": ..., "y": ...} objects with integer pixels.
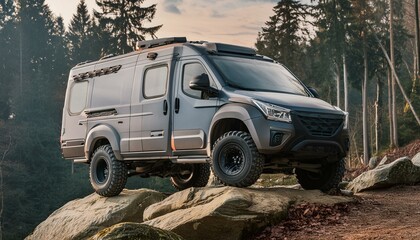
[{"x": 331, "y": 45}]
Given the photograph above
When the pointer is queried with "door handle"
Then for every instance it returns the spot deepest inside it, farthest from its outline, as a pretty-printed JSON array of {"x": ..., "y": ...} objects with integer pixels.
[
  {"x": 176, "y": 105},
  {"x": 165, "y": 107}
]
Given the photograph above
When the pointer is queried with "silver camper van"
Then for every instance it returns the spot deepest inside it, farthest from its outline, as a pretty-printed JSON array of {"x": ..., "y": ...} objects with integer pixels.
[{"x": 175, "y": 108}]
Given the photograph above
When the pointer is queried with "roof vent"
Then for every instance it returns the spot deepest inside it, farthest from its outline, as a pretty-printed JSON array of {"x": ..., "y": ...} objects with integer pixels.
[{"x": 159, "y": 42}]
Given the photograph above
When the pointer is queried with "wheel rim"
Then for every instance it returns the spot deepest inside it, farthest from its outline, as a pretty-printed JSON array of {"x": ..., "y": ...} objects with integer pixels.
[
  {"x": 232, "y": 159},
  {"x": 102, "y": 171},
  {"x": 185, "y": 177}
]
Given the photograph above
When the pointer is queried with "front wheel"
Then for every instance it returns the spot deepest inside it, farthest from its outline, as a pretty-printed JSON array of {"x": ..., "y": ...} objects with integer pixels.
[
  {"x": 328, "y": 178},
  {"x": 191, "y": 175},
  {"x": 236, "y": 160},
  {"x": 108, "y": 176}
]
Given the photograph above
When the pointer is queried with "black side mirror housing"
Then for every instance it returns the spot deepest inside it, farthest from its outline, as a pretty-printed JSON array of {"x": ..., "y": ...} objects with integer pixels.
[
  {"x": 202, "y": 83},
  {"x": 314, "y": 92}
]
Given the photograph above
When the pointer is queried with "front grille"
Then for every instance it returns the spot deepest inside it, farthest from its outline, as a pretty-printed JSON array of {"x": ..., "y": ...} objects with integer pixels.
[{"x": 321, "y": 125}]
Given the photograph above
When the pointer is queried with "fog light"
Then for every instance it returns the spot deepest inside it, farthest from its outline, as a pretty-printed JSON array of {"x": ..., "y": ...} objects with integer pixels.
[{"x": 276, "y": 138}]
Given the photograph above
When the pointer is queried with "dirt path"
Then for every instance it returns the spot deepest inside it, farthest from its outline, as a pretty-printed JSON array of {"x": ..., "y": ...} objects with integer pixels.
[{"x": 383, "y": 214}]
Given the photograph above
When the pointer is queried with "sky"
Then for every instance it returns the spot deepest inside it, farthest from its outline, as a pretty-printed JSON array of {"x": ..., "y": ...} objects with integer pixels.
[{"x": 229, "y": 21}]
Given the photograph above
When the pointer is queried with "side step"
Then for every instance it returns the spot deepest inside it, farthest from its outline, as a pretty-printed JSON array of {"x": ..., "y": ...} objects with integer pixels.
[{"x": 191, "y": 160}]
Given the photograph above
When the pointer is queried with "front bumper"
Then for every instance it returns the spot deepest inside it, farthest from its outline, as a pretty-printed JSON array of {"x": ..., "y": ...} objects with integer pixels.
[{"x": 309, "y": 136}]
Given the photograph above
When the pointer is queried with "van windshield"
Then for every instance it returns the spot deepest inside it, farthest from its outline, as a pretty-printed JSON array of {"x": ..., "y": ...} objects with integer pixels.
[{"x": 257, "y": 75}]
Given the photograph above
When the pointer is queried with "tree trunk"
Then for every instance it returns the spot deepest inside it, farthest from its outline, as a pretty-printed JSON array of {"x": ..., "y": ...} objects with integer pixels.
[
  {"x": 394, "y": 100},
  {"x": 337, "y": 77},
  {"x": 378, "y": 116},
  {"x": 416, "y": 6},
  {"x": 391, "y": 125},
  {"x": 346, "y": 100},
  {"x": 364, "y": 104}
]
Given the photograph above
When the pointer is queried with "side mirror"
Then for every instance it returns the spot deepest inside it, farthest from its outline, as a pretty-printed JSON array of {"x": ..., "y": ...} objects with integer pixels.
[
  {"x": 202, "y": 83},
  {"x": 314, "y": 92}
]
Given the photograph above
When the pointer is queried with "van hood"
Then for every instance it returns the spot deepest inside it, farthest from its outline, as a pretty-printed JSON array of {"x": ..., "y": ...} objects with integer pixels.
[{"x": 291, "y": 101}]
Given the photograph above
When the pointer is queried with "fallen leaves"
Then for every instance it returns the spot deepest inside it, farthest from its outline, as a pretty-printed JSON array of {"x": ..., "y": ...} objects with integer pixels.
[{"x": 306, "y": 217}]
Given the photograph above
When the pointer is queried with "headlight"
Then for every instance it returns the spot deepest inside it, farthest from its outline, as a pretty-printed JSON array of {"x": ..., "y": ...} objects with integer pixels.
[
  {"x": 274, "y": 112},
  {"x": 346, "y": 117}
]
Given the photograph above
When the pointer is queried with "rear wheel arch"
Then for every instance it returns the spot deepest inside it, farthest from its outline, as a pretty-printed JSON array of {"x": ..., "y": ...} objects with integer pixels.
[{"x": 102, "y": 135}]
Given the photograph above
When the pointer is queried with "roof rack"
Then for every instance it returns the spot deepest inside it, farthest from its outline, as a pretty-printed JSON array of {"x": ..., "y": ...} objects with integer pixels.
[
  {"x": 159, "y": 42},
  {"x": 230, "y": 49}
]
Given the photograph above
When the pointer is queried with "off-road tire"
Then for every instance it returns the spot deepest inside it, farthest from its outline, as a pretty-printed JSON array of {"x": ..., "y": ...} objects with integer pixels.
[
  {"x": 328, "y": 179},
  {"x": 199, "y": 177},
  {"x": 108, "y": 176},
  {"x": 235, "y": 160}
]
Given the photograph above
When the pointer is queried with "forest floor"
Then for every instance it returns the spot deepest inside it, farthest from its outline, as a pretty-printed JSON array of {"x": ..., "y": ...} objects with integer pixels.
[{"x": 392, "y": 213}]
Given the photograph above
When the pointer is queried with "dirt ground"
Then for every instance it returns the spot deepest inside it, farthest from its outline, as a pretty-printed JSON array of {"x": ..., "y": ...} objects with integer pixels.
[{"x": 392, "y": 213}]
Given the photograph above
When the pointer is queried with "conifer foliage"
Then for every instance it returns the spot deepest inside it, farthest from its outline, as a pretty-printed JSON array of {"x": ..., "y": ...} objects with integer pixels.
[
  {"x": 285, "y": 33},
  {"x": 124, "y": 20}
]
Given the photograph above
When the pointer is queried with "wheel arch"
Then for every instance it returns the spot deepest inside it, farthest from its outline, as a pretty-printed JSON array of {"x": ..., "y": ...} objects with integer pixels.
[
  {"x": 233, "y": 117},
  {"x": 101, "y": 135}
]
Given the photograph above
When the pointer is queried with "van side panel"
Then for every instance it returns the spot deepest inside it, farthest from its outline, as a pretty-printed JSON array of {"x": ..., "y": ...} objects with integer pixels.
[
  {"x": 110, "y": 99},
  {"x": 151, "y": 111}
]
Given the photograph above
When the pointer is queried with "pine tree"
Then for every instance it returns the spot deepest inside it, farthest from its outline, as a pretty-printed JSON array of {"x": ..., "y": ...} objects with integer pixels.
[
  {"x": 285, "y": 35},
  {"x": 80, "y": 36},
  {"x": 123, "y": 20}
]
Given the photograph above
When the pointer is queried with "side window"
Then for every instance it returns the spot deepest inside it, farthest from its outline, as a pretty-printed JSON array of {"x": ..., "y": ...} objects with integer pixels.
[
  {"x": 190, "y": 71},
  {"x": 155, "y": 79},
  {"x": 78, "y": 96}
]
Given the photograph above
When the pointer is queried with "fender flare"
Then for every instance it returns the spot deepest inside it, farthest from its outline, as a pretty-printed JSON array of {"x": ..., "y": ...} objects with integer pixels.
[
  {"x": 100, "y": 132},
  {"x": 238, "y": 111}
]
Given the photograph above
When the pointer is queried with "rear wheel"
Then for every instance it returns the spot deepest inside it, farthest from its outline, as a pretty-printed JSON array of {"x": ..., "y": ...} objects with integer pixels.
[
  {"x": 328, "y": 178},
  {"x": 108, "y": 176},
  {"x": 191, "y": 175},
  {"x": 236, "y": 160}
]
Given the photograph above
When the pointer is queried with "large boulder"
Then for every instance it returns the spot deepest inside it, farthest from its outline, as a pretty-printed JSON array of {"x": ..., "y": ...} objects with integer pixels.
[
  {"x": 373, "y": 161},
  {"x": 135, "y": 231},
  {"x": 416, "y": 159},
  {"x": 84, "y": 217},
  {"x": 227, "y": 212},
  {"x": 401, "y": 171}
]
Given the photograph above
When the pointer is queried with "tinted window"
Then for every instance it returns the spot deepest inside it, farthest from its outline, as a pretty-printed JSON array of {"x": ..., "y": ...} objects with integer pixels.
[
  {"x": 78, "y": 96},
  {"x": 110, "y": 90},
  {"x": 192, "y": 70},
  {"x": 257, "y": 75},
  {"x": 155, "y": 82}
]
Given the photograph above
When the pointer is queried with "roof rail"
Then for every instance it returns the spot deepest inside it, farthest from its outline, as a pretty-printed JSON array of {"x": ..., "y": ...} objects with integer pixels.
[
  {"x": 107, "y": 56},
  {"x": 84, "y": 62},
  {"x": 159, "y": 42}
]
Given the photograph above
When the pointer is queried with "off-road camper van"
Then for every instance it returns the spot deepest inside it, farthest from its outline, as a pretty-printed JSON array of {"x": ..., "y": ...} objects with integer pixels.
[{"x": 175, "y": 108}]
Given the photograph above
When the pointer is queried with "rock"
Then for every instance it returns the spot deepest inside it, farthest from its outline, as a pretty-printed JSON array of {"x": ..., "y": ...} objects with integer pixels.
[
  {"x": 416, "y": 159},
  {"x": 343, "y": 185},
  {"x": 213, "y": 181},
  {"x": 82, "y": 218},
  {"x": 373, "y": 161},
  {"x": 401, "y": 171},
  {"x": 383, "y": 161},
  {"x": 135, "y": 231},
  {"x": 346, "y": 192},
  {"x": 228, "y": 212}
]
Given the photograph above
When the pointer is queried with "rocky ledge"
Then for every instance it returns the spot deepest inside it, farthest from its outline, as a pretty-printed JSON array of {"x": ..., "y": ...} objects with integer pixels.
[{"x": 195, "y": 213}]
